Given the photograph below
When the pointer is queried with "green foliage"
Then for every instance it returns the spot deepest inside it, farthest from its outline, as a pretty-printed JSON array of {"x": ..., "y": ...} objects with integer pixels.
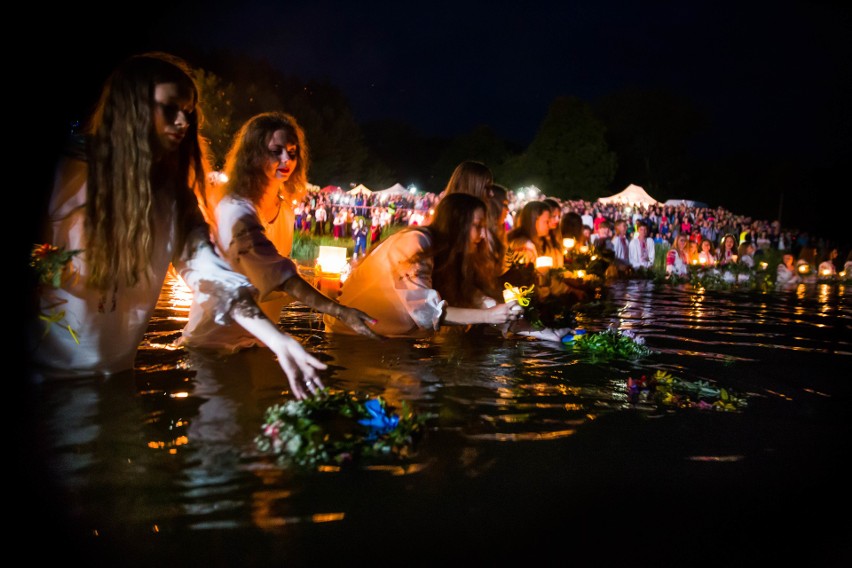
[
  {"x": 219, "y": 126},
  {"x": 651, "y": 131},
  {"x": 481, "y": 144},
  {"x": 610, "y": 344},
  {"x": 327, "y": 429},
  {"x": 569, "y": 157}
]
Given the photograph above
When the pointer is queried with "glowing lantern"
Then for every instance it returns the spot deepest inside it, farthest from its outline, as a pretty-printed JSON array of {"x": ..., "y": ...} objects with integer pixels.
[
  {"x": 544, "y": 262},
  {"x": 331, "y": 260},
  {"x": 568, "y": 243}
]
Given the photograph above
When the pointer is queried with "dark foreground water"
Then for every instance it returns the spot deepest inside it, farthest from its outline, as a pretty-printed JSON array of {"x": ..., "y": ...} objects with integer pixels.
[{"x": 535, "y": 456}]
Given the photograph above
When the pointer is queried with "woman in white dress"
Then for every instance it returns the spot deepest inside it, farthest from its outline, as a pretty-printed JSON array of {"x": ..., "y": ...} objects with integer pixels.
[
  {"x": 128, "y": 199},
  {"x": 423, "y": 278},
  {"x": 267, "y": 171}
]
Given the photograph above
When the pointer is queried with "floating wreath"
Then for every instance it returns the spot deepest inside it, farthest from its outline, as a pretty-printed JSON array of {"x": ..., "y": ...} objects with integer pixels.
[
  {"x": 338, "y": 429},
  {"x": 609, "y": 344},
  {"x": 49, "y": 263},
  {"x": 666, "y": 390}
]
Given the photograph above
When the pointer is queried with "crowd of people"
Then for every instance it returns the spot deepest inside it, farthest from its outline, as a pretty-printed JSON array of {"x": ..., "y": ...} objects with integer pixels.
[{"x": 134, "y": 195}]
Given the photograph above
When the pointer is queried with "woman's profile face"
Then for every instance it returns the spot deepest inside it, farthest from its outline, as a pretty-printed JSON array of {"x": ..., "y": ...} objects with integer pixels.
[
  {"x": 173, "y": 112},
  {"x": 477, "y": 229},
  {"x": 542, "y": 224}
]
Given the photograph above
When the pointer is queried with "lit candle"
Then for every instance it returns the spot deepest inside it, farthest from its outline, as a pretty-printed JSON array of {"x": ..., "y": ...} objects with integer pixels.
[
  {"x": 544, "y": 262},
  {"x": 584, "y": 249},
  {"x": 580, "y": 274},
  {"x": 568, "y": 243},
  {"x": 826, "y": 272},
  {"x": 331, "y": 260},
  {"x": 509, "y": 294},
  {"x": 763, "y": 266}
]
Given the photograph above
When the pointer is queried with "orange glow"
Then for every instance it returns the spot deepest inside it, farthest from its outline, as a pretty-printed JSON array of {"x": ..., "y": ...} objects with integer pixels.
[{"x": 544, "y": 262}]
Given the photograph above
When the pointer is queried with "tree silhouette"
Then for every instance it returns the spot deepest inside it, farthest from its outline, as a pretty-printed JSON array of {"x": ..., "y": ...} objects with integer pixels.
[{"x": 568, "y": 157}]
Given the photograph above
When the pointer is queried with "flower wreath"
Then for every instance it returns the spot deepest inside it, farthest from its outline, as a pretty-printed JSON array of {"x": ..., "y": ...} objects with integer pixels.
[
  {"x": 608, "y": 344},
  {"x": 50, "y": 265},
  {"x": 666, "y": 390},
  {"x": 338, "y": 429}
]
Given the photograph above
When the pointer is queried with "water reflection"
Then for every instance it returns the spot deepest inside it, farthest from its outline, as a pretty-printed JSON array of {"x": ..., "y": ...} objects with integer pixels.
[{"x": 528, "y": 437}]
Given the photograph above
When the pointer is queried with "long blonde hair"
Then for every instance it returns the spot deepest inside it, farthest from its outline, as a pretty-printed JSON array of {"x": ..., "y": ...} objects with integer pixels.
[{"x": 126, "y": 177}]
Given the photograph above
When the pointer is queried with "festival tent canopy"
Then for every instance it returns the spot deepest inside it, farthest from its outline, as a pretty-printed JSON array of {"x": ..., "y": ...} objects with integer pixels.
[
  {"x": 360, "y": 188},
  {"x": 394, "y": 190},
  {"x": 330, "y": 188},
  {"x": 631, "y": 195}
]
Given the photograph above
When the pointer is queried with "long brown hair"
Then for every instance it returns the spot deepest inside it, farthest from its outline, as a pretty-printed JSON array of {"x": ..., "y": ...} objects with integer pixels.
[
  {"x": 458, "y": 274},
  {"x": 126, "y": 176},
  {"x": 471, "y": 177},
  {"x": 249, "y": 153}
]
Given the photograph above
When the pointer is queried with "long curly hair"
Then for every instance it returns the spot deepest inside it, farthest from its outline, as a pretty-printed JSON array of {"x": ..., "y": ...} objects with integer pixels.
[
  {"x": 245, "y": 164},
  {"x": 458, "y": 274},
  {"x": 126, "y": 176}
]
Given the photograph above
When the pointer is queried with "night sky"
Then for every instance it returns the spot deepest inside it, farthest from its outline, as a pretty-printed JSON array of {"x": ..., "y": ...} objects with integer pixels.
[{"x": 774, "y": 80}]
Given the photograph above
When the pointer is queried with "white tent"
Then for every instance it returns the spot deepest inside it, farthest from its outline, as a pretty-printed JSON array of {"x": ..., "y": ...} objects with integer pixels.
[
  {"x": 631, "y": 195},
  {"x": 360, "y": 188},
  {"x": 392, "y": 191}
]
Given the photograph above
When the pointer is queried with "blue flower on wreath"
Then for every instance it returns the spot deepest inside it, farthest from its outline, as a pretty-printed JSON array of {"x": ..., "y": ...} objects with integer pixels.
[{"x": 379, "y": 421}]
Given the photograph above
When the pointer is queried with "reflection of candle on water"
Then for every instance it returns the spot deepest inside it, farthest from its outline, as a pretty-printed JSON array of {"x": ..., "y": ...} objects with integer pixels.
[{"x": 544, "y": 262}]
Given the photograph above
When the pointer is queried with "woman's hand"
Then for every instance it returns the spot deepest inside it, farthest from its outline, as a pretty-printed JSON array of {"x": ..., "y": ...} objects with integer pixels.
[
  {"x": 358, "y": 321},
  {"x": 505, "y": 313},
  {"x": 300, "y": 366}
]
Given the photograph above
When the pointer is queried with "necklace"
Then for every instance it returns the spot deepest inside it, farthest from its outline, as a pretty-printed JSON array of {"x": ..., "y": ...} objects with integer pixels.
[{"x": 277, "y": 210}]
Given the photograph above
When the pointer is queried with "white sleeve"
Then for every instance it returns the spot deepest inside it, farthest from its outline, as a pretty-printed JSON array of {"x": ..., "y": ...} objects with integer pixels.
[
  {"x": 247, "y": 248},
  {"x": 215, "y": 287},
  {"x": 413, "y": 279}
]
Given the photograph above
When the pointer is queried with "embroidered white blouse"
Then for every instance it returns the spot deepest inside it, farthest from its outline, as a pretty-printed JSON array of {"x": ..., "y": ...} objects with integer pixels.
[
  {"x": 110, "y": 326},
  {"x": 251, "y": 248},
  {"x": 394, "y": 288}
]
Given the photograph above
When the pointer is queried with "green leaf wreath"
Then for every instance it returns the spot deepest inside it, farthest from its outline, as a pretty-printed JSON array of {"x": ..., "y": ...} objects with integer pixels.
[
  {"x": 610, "y": 344},
  {"x": 339, "y": 428}
]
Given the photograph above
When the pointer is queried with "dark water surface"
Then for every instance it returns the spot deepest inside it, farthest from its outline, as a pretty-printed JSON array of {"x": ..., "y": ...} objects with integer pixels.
[{"x": 535, "y": 453}]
